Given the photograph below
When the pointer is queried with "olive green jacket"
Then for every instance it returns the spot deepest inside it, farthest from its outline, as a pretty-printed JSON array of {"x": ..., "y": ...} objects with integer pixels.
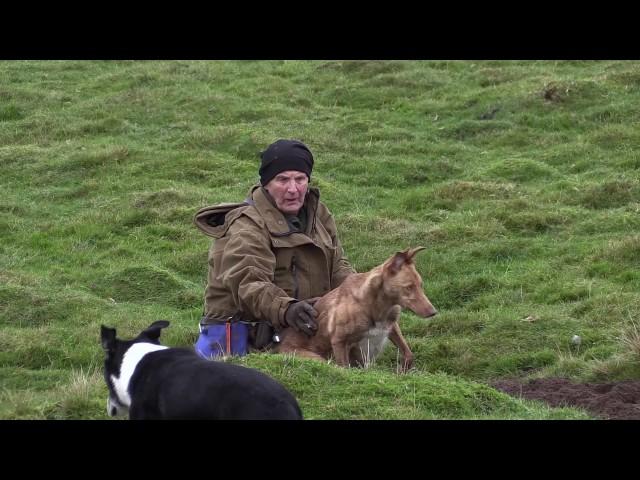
[{"x": 258, "y": 266}]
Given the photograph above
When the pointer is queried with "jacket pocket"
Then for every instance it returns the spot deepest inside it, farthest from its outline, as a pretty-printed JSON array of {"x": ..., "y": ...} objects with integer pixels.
[{"x": 282, "y": 275}]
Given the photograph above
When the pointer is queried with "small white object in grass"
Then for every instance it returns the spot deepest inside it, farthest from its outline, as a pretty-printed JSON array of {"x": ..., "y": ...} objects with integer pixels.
[{"x": 576, "y": 340}]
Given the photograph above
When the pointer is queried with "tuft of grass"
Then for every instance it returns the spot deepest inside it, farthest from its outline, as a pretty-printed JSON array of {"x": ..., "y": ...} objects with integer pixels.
[
  {"x": 148, "y": 285},
  {"x": 10, "y": 112},
  {"x": 611, "y": 194},
  {"x": 630, "y": 340},
  {"x": 83, "y": 396}
]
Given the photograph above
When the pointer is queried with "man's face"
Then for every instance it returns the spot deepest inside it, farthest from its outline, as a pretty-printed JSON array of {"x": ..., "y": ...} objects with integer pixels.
[{"x": 288, "y": 190}]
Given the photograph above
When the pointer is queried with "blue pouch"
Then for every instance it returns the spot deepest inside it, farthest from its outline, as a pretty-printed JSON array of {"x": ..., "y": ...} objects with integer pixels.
[{"x": 222, "y": 339}]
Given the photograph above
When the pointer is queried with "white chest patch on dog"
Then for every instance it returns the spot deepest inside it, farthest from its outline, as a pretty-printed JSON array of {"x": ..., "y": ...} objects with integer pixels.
[
  {"x": 374, "y": 341},
  {"x": 130, "y": 361}
]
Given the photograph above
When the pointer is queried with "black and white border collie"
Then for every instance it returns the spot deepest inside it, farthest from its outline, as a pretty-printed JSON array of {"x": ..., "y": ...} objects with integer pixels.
[{"x": 152, "y": 381}]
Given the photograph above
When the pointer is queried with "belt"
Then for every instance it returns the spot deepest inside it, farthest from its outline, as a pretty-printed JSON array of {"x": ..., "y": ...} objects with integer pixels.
[{"x": 216, "y": 319}]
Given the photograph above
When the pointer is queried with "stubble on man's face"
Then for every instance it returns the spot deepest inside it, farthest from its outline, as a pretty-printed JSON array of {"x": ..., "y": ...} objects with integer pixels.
[{"x": 288, "y": 190}]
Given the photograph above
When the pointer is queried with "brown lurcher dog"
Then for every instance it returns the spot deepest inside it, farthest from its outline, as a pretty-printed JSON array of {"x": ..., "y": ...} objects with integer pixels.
[{"x": 356, "y": 319}]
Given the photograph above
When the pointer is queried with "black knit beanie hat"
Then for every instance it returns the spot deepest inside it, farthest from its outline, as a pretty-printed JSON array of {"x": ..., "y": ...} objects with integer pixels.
[{"x": 284, "y": 155}]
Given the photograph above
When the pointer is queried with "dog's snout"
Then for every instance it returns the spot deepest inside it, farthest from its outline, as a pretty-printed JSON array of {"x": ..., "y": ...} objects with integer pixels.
[
  {"x": 424, "y": 310},
  {"x": 427, "y": 310}
]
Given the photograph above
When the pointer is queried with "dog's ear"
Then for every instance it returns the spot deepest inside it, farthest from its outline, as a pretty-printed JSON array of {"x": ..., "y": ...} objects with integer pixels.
[
  {"x": 395, "y": 263},
  {"x": 153, "y": 331},
  {"x": 412, "y": 252},
  {"x": 107, "y": 337}
]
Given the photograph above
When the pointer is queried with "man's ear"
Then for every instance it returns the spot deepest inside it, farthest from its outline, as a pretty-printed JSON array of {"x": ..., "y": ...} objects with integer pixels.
[
  {"x": 107, "y": 337},
  {"x": 153, "y": 331}
]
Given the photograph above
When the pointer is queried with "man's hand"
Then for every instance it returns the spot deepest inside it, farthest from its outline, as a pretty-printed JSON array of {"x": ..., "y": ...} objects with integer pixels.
[{"x": 301, "y": 316}]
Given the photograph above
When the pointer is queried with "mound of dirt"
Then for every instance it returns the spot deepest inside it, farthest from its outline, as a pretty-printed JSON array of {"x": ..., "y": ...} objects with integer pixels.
[{"x": 610, "y": 401}]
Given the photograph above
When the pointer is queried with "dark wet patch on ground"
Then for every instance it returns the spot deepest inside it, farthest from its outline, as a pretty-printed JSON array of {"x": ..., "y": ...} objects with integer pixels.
[{"x": 611, "y": 401}]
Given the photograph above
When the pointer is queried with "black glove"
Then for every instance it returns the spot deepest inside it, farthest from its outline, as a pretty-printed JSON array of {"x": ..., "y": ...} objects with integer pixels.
[
  {"x": 312, "y": 301},
  {"x": 301, "y": 316}
]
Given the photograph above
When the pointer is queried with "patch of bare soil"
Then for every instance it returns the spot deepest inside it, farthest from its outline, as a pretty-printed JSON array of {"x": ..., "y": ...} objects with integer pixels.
[{"x": 610, "y": 401}]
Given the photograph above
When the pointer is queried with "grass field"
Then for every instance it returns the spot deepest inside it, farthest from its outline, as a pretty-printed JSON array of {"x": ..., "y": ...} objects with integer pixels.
[{"x": 520, "y": 178}]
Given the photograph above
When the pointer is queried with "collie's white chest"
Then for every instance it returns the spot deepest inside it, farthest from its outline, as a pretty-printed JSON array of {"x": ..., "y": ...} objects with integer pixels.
[{"x": 129, "y": 363}]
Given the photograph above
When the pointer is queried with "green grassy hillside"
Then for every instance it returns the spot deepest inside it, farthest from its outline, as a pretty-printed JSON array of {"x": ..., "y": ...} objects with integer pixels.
[{"x": 521, "y": 179}]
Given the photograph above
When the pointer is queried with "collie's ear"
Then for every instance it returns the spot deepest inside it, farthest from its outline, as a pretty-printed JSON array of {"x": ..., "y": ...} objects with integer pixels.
[
  {"x": 153, "y": 331},
  {"x": 107, "y": 337}
]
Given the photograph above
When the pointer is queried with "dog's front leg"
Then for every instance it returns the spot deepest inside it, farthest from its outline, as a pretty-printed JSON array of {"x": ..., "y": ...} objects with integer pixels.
[
  {"x": 340, "y": 353},
  {"x": 395, "y": 335}
]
